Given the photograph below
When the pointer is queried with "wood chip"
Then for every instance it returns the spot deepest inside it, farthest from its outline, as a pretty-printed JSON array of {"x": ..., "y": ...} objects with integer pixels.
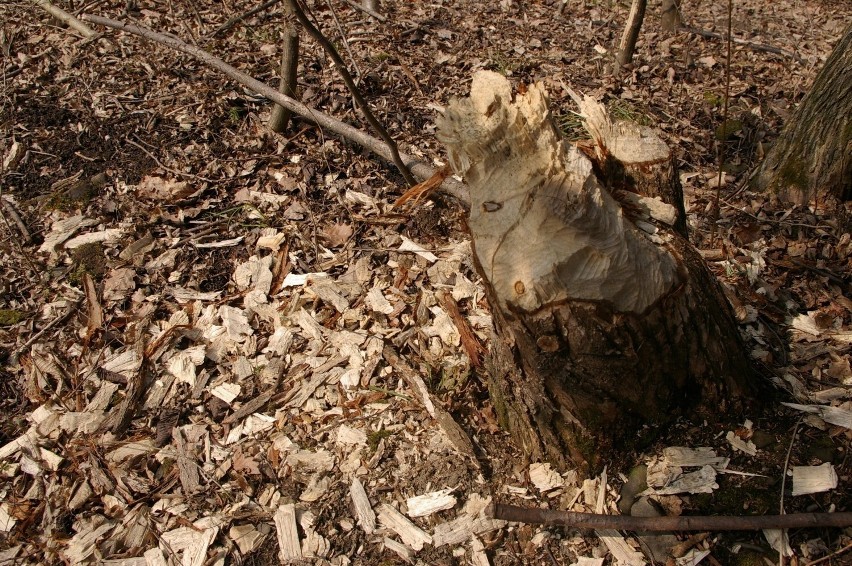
[
  {"x": 411, "y": 534},
  {"x": 363, "y": 510},
  {"x": 813, "y": 479},
  {"x": 288, "y": 535},
  {"x": 429, "y": 503}
]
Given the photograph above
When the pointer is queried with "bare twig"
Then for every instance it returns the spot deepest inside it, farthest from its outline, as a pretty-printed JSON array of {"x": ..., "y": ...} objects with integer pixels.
[
  {"x": 72, "y": 308},
  {"x": 66, "y": 18},
  {"x": 831, "y": 556},
  {"x": 280, "y": 116},
  {"x": 661, "y": 524},
  {"x": 16, "y": 218},
  {"x": 421, "y": 170},
  {"x": 750, "y": 44},
  {"x": 350, "y": 84},
  {"x": 366, "y": 10},
  {"x": 245, "y": 15},
  {"x": 345, "y": 42}
]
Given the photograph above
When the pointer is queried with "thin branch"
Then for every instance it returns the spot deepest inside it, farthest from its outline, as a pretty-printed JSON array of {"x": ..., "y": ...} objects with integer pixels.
[
  {"x": 421, "y": 170},
  {"x": 367, "y": 11},
  {"x": 66, "y": 18},
  {"x": 345, "y": 42},
  {"x": 356, "y": 94},
  {"x": 72, "y": 308},
  {"x": 244, "y": 16},
  {"x": 744, "y": 42},
  {"x": 831, "y": 556},
  {"x": 661, "y": 524}
]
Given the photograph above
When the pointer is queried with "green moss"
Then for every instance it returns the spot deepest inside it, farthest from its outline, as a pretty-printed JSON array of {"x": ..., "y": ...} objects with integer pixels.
[
  {"x": 374, "y": 438},
  {"x": 88, "y": 258},
  {"x": 794, "y": 173},
  {"x": 380, "y": 56},
  {"x": 728, "y": 128},
  {"x": 10, "y": 317},
  {"x": 713, "y": 99},
  {"x": 748, "y": 558}
]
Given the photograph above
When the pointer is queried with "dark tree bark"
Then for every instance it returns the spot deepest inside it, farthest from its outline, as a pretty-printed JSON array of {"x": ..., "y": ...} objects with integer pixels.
[
  {"x": 604, "y": 320},
  {"x": 813, "y": 156}
]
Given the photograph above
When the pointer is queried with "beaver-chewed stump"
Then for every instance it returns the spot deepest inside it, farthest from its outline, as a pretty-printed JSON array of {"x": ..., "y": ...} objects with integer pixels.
[{"x": 606, "y": 318}]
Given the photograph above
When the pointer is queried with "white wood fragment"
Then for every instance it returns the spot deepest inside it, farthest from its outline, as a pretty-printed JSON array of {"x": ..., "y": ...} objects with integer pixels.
[
  {"x": 50, "y": 460},
  {"x": 738, "y": 443},
  {"x": 81, "y": 422},
  {"x": 411, "y": 534},
  {"x": 692, "y": 558},
  {"x": 543, "y": 477},
  {"x": 694, "y": 457},
  {"x": 586, "y": 561},
  {"x": 700, "y": 481},
  {"x": 429, "y": 503},
  {"x": 411, "y": 246},
  {"x": 779, "y": 541},
  {"x": 478, "y": 557},
  {"x": 832, "y": 415},
  {"x": 363, "y": 510},
  {"x": 813, "y": 479},
  {"x": 227, "y": 392},
  {"x": 110, "y": 235},
  {"x": 620, "y": 549},
  {"x": 7, "y": 521},
  {"x": 154, "y": 557},
  {"x": 328, "y": 291},
  {"x": 246, "y": 537},
  {"x": 193, "y": 542},
  {"x": 376, "y": 301},
  {"x": 82, "y": 545},
  {"x": 288, "y": 535},
  {"x": 403, "y": 551},
  {"x": 351, "y": 436},
  {"x": 459, "y": 529}
]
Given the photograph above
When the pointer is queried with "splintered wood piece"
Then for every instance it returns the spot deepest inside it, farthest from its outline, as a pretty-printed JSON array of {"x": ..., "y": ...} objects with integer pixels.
[
  {"x": 411, "y": 534},
  {"x": 363, "y": 510},
  {"x": 813, "y": 479},
  {"x": 402, "y": 551},
  {"x": 288, "y": 535},
  {"x": 429, "y": 503}
]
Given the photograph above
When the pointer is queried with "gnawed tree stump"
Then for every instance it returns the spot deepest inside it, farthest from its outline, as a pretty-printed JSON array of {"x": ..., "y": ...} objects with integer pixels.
[{"x": 600, "y": 326}]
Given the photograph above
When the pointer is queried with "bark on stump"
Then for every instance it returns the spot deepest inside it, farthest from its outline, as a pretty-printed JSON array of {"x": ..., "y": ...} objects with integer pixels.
[
  {"x": 600, "y": 326},
  {"x": 813, "y": 155}
]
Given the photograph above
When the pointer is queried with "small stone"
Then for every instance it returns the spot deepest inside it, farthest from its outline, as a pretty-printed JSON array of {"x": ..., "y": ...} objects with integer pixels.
[{"x": 636, "y": 483}]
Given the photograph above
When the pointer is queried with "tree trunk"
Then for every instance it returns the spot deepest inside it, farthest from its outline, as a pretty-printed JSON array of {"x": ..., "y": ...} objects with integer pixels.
[
  {"x": 630, "y": 35},
  {"x": 600, "y": 326},
  {"x": 813, "y": 156},
  {"x": 280, "y": 116}
]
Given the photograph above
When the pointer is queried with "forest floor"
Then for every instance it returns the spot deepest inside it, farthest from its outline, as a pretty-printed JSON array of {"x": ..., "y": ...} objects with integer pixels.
[{"x": 223, "y": 345}]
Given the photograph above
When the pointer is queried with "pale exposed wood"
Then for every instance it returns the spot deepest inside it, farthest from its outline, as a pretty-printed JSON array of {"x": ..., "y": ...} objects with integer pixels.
[
  {"x": 411, "y": 534},
  {"x": 429, "y": 503},
  {"x": 288, "y": 535},
  {"x": 813, "y": 479},
  {"x": 590, "y": 252},
  {"x": 186, "y": 462},
  {"x": 401, "y": 550},
  {"x": 631, "y": 33},
  {"x": 363, "y": 510}
]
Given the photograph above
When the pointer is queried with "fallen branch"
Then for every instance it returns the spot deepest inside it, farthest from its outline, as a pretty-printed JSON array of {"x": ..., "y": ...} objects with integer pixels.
[
  {"x": 420, "y": 170},
  {"x": 66, "y": 18},
  {"x": 749, "y": 44},
  {"x": 353, "y": 89},
  {"x": 658, "y": 524}
]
